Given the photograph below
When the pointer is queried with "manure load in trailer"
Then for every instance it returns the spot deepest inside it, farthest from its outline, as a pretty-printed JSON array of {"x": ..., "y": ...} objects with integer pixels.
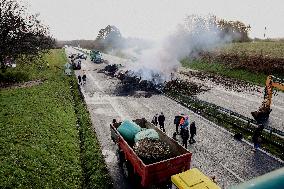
[{"x": 150, "y": 173}]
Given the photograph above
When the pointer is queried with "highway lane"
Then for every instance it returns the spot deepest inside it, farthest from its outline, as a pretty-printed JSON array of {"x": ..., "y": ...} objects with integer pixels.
[{"x": 215, "y": 153}]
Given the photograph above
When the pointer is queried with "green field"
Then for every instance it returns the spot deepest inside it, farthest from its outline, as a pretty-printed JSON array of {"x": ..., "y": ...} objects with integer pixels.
[
  {"x": 40, "y": 144},
  {"x": 271, "y": 49},
  {"x": 221, "y": 69}
]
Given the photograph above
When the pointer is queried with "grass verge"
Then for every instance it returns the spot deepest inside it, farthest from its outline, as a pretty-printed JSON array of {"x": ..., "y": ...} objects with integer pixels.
[
  {"x": 94, "y": 168},
  {"x": 221, "y": 69},
  {"x": 40, "y": 144}
]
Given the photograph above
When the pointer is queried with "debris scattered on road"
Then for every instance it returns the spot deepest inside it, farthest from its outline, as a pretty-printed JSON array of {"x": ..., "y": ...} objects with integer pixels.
[
  {"x": 184, "y": 87},
  {"x": 228, "y": 83}
]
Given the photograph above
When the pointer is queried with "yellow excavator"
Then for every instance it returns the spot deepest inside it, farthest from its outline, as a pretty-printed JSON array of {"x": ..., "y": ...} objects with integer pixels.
[{"x": 262, "y": 114}]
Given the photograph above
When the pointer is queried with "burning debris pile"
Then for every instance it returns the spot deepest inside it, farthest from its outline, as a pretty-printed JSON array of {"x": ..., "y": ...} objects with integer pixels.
[
  {"x": 152, "y": 150},
  {"x": 134, "y": 85},
  {"x": 131, "y": 84},
  {"x": 111, "y": 69},
  {"x": 183, "y": 87}
]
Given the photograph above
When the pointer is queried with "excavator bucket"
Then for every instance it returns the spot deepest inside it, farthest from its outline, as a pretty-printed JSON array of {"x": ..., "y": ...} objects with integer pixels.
[{"x": 261, "y": 116}]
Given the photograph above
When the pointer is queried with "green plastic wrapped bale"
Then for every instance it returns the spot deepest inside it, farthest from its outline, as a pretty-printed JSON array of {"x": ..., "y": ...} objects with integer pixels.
[
  {"x": 128, "y": 129},
  {"x": 148, "y": 133}
]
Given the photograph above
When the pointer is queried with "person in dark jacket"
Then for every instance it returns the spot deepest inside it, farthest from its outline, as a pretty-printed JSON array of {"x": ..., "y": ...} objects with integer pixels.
[
  {"x": 177, "y": 122},
  {"x": 257, "y": 137},
  {"x": 185, "y": 136},
  {"x": 155, "y": 120},
  {"x": 161, "y": 120},
  {"x": 79, "y": 79},
  {"x": 192, "y": 129},
  {"x": 184, "y": 122},
  {"x": 84, "y": 78}
]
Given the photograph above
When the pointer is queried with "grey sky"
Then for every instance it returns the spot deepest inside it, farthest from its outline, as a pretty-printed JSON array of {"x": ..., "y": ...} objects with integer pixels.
[{"x": 83, "y": 19}]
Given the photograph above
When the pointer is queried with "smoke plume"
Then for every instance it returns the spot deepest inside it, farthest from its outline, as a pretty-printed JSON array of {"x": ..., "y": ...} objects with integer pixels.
[{"x": 197, "y": 34}]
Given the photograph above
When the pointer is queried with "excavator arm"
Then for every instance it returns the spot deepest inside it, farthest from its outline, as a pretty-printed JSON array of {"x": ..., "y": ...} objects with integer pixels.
[
  {"x": 262, "y": 114},
  {"x": 278, "y": 86}
]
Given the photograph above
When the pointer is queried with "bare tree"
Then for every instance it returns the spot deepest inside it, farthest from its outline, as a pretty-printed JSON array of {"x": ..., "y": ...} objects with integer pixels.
[{"x": 21, "y": 33}]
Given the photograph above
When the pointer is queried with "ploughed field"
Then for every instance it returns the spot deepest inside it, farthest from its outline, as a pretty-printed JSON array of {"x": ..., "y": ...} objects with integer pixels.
[{"x": 257, "y": 57}]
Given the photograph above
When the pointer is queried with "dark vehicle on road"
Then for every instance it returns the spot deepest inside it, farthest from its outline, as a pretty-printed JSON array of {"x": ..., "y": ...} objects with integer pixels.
[
  {"x": 72, "y": 56},
  {"x": 76, "y": 64},
  {"x": 154, "y": 174},
  {"x": 96, "y": 56},
  {"x": 78, "y": 56},
  {"x": 82, "y": 56}
]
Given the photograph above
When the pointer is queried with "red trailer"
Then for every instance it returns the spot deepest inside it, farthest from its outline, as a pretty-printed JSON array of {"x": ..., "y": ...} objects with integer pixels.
[{"x": 150, "y": 174}]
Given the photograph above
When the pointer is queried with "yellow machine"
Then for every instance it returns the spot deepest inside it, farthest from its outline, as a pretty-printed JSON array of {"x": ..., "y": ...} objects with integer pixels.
[
  {"x": 193, "y": 179},
  {"x": 264, "y": 110}
]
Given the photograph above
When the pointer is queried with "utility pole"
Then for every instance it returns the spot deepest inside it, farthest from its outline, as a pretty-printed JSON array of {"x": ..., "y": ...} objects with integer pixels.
[{"x": 264, "y": 32}]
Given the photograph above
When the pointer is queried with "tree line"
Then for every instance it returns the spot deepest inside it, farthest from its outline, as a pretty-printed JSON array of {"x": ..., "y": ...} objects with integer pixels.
[
  {"x": 110, "y": 38},
  {"x": 21, "y": 33}
]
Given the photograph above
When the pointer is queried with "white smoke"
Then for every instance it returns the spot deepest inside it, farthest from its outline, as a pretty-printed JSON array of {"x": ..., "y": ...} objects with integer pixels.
[{"x": 198, "y": 34}]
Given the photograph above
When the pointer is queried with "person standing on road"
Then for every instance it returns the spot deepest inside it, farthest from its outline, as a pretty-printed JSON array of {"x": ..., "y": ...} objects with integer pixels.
[
  {"x": 192, "y": 129},
  {"x": 161, "y": 120},
  {"x": 184, "y": 122},
  {"x": 185, "y": 136},
  {"x": 256, "y": 138},
  {"x": 79, "y": 80},
  {"x": 155, "y": 120},
  {"x": 177, "y": 122},
  {"x": 84, "y": 77}
]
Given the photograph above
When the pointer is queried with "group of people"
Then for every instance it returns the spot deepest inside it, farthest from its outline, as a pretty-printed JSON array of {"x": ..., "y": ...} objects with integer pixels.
[
  {"x": 187, "y": 131},
  {"x": 159, "y": 119},
  {"x": 82, "y": 78},
  {"x": 182, "y": 124}
]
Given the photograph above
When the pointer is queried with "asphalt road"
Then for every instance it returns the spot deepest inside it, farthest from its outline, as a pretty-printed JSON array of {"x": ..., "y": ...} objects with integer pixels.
[
  {"x": 246, "y": 102},
  {"x": 215, "y": 152}
]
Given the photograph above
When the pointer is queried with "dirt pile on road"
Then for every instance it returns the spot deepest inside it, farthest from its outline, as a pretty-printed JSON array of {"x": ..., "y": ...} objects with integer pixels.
[
  {"x": 226, "y": 82},
  {"x": 132, "y": 85},
  {"x": 152, "y": 150},
  {"x": 184, "y": 87}
]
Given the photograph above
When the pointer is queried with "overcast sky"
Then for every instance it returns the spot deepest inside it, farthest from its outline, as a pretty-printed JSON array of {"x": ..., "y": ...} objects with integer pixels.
[{"x": 82, "y": 19}]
